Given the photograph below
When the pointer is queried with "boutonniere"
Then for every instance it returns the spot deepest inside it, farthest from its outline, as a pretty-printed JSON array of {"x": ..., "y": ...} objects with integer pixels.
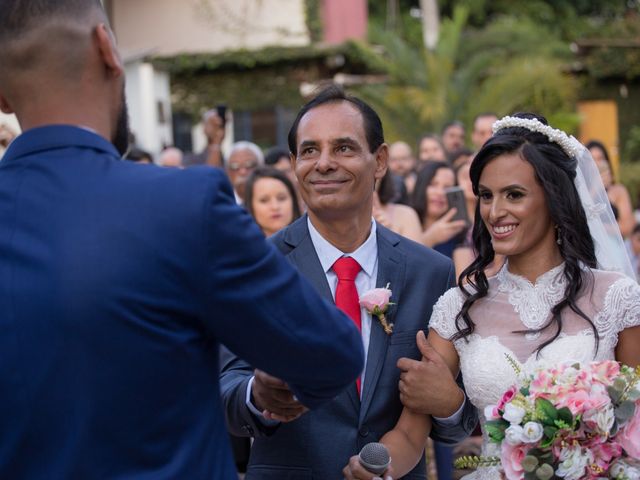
[{"x": 376, "y": 302}]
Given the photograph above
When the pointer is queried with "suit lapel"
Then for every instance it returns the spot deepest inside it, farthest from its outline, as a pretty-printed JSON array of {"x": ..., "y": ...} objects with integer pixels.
[
  {"x": 391, "y": 267},
  {"x": 304, "y": 256}
]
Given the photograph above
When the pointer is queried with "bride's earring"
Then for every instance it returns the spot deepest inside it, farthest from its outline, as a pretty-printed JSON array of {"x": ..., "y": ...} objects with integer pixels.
[{"x": 558, "y": 235}]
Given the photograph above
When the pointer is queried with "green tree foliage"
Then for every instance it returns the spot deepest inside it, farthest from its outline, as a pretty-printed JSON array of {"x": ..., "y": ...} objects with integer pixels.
[
  {"x": 513, "y": 64},
  {"x": 420, "y": 92}
]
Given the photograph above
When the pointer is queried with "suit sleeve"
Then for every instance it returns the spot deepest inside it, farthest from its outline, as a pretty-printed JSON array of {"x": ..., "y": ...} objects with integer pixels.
[
  {"x": 258, "y": 305},
  {"x": 235, "y": 374}
]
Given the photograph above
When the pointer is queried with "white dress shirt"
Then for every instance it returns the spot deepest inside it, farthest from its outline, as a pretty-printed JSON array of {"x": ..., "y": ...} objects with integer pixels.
[{"x": 367, "y": 257}]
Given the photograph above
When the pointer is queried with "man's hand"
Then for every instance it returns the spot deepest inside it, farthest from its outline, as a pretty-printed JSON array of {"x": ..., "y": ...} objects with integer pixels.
[
  {"x": 274, "y": 398},
  {"x": 214, "y": 128},
  {"x": 427, "y": 385}
]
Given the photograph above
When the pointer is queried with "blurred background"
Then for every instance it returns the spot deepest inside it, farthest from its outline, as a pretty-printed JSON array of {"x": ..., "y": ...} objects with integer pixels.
[{"x": 421, "y": 64}]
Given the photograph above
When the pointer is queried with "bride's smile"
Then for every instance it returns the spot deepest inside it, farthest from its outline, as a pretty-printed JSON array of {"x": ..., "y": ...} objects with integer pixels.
[{"x": 514, "y": 210}]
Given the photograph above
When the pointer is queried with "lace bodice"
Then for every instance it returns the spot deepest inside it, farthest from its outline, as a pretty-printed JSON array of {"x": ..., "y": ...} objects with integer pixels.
[{"x": 611, "y": 301}]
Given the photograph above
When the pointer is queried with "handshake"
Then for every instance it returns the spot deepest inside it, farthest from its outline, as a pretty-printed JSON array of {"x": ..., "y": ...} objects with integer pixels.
[{"x": 426, "y": 388}]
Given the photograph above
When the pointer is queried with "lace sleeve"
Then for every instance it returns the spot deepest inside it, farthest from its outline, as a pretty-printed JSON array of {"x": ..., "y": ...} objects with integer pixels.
[
  {"x": 445, "y": 311},
  {"x": 621, "y": 305}
]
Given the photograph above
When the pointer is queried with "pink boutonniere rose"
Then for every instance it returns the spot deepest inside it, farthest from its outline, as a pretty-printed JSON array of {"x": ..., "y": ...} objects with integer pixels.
[{"x": 376, "y": 302}]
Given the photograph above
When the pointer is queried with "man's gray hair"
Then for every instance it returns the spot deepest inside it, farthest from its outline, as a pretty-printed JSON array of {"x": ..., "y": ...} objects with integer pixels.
[{"x": 244, "y": 145}]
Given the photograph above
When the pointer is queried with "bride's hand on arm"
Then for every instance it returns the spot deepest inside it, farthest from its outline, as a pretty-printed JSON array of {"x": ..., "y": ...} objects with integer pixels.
[
  {"x": 428, "y": 386},
  {"x": 405, "y": 443},
  {"x": 627, "y": 350}
]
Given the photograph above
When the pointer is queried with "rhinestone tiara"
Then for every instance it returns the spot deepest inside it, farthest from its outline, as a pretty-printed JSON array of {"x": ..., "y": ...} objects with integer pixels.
[{"x": 570, "y": 145}]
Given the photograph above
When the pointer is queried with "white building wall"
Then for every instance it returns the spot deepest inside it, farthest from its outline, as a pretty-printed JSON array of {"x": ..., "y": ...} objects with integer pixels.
[
  {"x": 146, "y": 89},
  {"x": 11, "y": 121},
  {"x": 208, "y": 26}
]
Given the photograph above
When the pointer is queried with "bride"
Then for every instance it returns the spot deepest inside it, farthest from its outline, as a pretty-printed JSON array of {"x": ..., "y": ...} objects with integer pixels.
[{"x": 562, "y": 294}]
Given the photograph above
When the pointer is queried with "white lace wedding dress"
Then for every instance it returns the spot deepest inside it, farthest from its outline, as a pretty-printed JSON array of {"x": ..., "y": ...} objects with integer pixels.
[{"x": 611, "y": 301}]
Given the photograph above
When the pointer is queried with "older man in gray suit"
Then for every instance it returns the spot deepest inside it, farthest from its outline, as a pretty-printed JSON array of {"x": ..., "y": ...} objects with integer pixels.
[{"x": 338, "y": 153}]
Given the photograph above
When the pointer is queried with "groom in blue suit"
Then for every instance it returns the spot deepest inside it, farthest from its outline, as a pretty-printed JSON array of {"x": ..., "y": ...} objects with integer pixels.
[
  {"x": 338, "y": 152},
  {"x": 118, "y": 281}
]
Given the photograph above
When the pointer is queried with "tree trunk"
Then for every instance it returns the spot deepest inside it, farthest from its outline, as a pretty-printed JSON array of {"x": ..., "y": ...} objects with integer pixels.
[{"x": 430, "y": 23}]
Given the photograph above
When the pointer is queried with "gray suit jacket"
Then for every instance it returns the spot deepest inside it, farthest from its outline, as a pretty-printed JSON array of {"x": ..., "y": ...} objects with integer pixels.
[{"x": 319, "y": 444}]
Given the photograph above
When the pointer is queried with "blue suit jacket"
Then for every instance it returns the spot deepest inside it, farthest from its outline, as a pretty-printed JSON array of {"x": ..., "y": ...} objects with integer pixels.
[
  {"x": 319, "y": 444},
  {"x": 118, "y": 281}
]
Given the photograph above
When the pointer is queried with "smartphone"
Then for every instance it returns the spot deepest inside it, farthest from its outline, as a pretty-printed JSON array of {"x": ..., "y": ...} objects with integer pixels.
[
  {"x": 222, "y": 113},
  {"x": 455, "y": 198}
]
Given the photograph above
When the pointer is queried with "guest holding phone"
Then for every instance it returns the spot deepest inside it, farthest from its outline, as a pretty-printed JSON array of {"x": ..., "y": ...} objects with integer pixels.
[{"x": 429, "y": 200}]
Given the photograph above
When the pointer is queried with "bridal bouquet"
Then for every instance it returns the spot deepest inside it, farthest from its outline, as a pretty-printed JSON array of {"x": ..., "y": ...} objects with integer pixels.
[{"x": 573, "y": 422}]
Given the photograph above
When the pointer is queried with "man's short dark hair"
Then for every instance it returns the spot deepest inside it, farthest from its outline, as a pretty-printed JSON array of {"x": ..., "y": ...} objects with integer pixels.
[
  {"x": 334, "y": 94},
  {"x": 453, "y": 123},
  {"x": 19, "y": 15}
]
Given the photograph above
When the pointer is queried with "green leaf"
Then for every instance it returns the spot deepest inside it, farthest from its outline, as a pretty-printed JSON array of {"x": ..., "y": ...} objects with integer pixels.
[
  {"x": 525, "y": 391},
  {"x": 495, "y": 429},
  {"x": 614, "y": 394},
  {"x": 564, "y": 414},
  {"x": 550, "y": 432},
  {"x": 625, "y": 411},
  {"x": 619, "y": 385},
  {"x": 530, "y": 463},
  {"x": 633, "y": 395},
  {"x": 546, "y": 411},
  {"x": 544, "y": 471}
]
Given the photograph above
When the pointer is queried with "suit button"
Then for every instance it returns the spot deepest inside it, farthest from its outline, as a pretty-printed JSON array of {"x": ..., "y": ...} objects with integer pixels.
[
  {"x": 364, "y": 431},
  {"x": 248, "y": 429}
]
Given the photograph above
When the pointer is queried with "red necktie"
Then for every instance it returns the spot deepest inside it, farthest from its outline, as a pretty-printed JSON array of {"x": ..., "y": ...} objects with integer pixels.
[{"x": 346, "y": 268}]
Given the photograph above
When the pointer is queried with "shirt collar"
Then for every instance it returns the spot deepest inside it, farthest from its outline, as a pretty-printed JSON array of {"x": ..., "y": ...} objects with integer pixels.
[{"x": 366, "y": 254}]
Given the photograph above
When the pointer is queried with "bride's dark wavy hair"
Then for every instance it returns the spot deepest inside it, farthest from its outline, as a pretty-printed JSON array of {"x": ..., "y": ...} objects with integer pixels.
[{"x": 555, "y": 172}]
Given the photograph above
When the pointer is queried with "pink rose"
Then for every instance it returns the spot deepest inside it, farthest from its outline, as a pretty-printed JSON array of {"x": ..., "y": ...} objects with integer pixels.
[
  {"x": 378, "y": 298},
  {"x": 629, "y": 435},
  {"x": 511, "y": 458},
  {"x": 507, "y": 397},
  {"x": 577, "y": 401}
]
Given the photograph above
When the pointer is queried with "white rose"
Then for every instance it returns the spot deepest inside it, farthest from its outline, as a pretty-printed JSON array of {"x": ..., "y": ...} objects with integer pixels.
[
  {"x": 532, "y": 432},
  {"x": 573, "y": 463},
  {"x": 513, "y": 414},
  {"x": 568, "y": 377},
  {"x": 618, "y": 469},
  {"x": 621, "y": 469},
  {"x": 602, "y": 418},
  {"x": 514, "y": 435}
]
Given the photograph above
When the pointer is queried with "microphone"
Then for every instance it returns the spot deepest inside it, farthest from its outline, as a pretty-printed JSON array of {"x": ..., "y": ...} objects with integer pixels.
[{"x": 374, "y": 457}]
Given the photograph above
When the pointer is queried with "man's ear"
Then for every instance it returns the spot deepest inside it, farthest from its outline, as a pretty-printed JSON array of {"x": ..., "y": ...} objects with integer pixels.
[
  {"x": 292, "y": 157},
  {"x": 108, "y": 50},
  {"x": 382, "y": 155},
  {"x": 4, "y": 105}
]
